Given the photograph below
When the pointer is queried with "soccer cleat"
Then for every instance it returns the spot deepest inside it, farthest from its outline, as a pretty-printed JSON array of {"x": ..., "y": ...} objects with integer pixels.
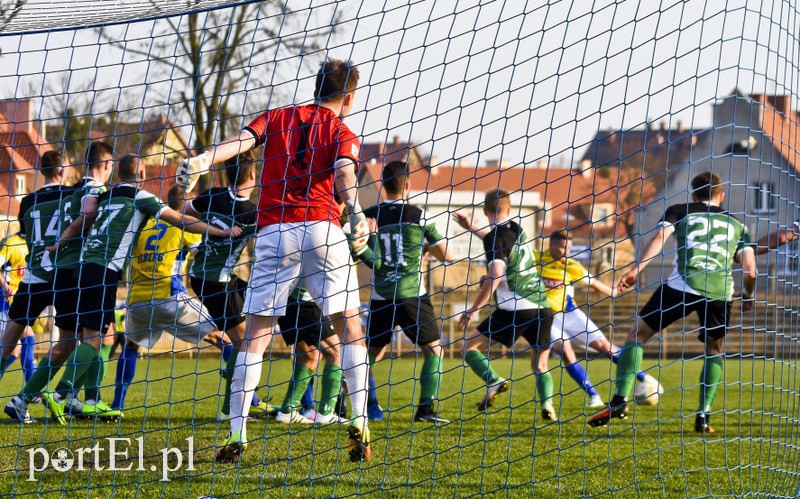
[
  {"x": 358, "y": 434},
  {"x": 327, "y": 419},
  {"x": 260, "y": 411},
  {"x": 74, "y": 407},
  {"x": 375, "y": 411},
  {"x": 426, "y": 414},
  {"x": 293, "y": 417},
  {"x": 701, "y": 423},
  {"x": 604, "y": 416},
  {"x": 595, "y": 402},
  {"x": 309, "y": 414},
  {"x": 100, "y": 410},
  {"x": 17, "y": 409},
  {"x": 500, "y": 386},
  {"x": 232, "y": 449},
  {"x": 55, "y": 407},
  {"x": 548, "y": 411}
]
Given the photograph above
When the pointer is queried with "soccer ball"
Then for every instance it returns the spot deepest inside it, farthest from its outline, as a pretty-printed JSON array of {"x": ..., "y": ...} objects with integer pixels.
[{"x": 648, "y": 392}]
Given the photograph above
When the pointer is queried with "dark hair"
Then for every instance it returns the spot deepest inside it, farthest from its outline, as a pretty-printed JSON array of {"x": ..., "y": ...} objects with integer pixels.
[
  {"x": 50, "y": 163},
  {"x": 127, "y": 167},
  {"x": 561, "y": 235},
  {"x": 394, "y": 177},
  {"x": 334, "y": 79},
  {"x": 176, "y": 197},
  {"x": 706, "y": 186},
  {"x": 496, "y": 199},
  {"x": 98, "y": 151},
  {"x": 238, "y": 168}
]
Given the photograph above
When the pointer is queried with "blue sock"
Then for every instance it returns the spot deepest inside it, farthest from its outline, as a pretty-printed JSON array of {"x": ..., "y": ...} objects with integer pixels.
[
  {"x": 372, "y": 394},
  {"x": 126, "y": 370},
  {"x": 256, "y": 401},
  {"x": 226, "y": 351},
  {"x": 615, "y": 359},
  {"x": 11, "y": 359},
  {"x": 26, "y": 357},
  {"x": 307, "y": 401},
  {"x": 581, "y": 377}
]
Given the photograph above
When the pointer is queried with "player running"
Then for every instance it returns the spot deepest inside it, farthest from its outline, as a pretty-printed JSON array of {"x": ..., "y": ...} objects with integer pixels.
[
  {"x": 42, "y": 216},
  {"x": 309, "y": 154},
  {"x": 122, "y": 212},
  {"x": 157, "y": 299},
  {"x": 213, "y": 276},
  {"x": 709, "y": 240},
  {"x": 570, "y": 323},
  {"x": 522, "y": 307},
  {"x": 398, "y": 291}
]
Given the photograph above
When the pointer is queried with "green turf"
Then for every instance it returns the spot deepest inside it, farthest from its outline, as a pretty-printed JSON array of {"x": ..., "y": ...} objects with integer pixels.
[{"x": 510, "y": 451}]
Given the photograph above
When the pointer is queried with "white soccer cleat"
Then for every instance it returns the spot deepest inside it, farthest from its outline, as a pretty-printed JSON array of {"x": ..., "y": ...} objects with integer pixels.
[
  {"x": 328, "y": 419},
  {"x": 595, "y": 402},
  {"x": 189, "y": 170},
  {"x": 648, "y": 392},
  {"x": 500, "y": 386},
  {"x": 18, "y": 409},
  {"x": 309, "y": 414},
  {"x": 293, "y": 417},
  {"x": 548, "y": 411}
]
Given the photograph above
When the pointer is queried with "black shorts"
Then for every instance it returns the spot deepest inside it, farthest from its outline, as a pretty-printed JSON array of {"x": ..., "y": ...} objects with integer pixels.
[
  {"x": 97, "y": 298},
  {"x": 304, "y": 321},
  {"x": 223, "y": 300},
  {"x": 668, "y": 305},
  {"x": 30, "y": 300},
  {"x": 506, "y": 326},
  {"x": 414, "y": 316},
  {"x": 65, "y": 285}
]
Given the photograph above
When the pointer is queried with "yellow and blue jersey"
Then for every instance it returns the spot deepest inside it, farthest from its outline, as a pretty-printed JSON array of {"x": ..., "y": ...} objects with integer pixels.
[
  {"x": 158, "y": 261},
  {"x": 13, "y": 251},
  {"x": 558, "y": 276}
]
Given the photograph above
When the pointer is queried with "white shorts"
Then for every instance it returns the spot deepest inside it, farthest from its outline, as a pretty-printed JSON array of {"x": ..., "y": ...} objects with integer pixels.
[
  {"x": 180, "y": 315},
  {"x": 312, "y": 254},
  {"x": 575, "y": 325}
]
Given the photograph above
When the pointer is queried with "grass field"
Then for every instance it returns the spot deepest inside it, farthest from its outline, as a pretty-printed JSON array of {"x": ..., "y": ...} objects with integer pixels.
[{"x": 509, "y": 452}]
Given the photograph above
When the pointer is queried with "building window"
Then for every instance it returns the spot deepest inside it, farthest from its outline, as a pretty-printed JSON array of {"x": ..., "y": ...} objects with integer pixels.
[
  {"x": 20, "y": 185},
  {"x": 765, "y": 200}
]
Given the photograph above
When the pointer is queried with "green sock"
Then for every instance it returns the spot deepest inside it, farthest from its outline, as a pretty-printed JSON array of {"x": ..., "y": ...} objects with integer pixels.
[
  {"x": 331, "y": 386},
  {"x": 76, "y": 368},
  {"x": 480, "y": 366},
  {"x": 710, "y": 376},
  {"x": 297, "y": 386},
  {"x": 630, "y": 362},
  {"x": 372, "y": 358},
  {"x": 96, "y": 373},
  {"x": 544, "y": 386},
  {"x": 429, "y": 379},
  {"x": 41, "y": 378},
  {"x": 230, "y": 365}
]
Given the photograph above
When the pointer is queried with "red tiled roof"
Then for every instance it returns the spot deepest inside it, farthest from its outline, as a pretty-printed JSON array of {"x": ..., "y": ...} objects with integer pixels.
[{"x": 22, "y": 149}]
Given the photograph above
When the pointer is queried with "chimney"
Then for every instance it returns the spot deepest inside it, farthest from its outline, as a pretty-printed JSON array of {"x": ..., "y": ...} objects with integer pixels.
[
  {"x": 396, "y": 140},
  {"x": 18, "y": 113}
]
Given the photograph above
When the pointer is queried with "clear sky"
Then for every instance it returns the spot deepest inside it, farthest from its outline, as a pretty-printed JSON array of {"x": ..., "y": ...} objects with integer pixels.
[{"x": 473, "y": 79}]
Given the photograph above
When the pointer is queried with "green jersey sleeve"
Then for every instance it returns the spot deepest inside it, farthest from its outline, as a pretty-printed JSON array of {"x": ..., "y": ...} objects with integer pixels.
[
  {"x": 432, "y": 234},
  {"x": 148, "y": 204}
]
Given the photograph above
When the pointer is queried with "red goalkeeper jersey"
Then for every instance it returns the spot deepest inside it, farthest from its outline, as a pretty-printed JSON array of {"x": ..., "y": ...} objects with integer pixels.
[{"x": 302, "y": 144}]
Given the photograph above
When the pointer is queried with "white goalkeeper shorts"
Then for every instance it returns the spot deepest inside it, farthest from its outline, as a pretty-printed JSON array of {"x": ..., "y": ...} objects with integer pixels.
[
  {"x": 575, "y": 326},
  {"x": 315, "y": 255},
  {"x": 180, "y": 315}
]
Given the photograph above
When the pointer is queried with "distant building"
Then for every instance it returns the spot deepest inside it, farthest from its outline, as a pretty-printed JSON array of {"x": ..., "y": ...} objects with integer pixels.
[{"x": 21, "y": 145}]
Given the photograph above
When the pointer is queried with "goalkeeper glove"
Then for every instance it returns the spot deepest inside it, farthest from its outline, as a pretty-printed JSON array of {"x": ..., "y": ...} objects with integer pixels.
[
  {"x": 189, "y": 170},
  {"x": 359, "y": 228}
]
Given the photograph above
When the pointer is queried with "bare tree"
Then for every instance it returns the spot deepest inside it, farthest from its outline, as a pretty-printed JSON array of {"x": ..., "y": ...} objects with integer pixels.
[{"x": 214, "y": 58}]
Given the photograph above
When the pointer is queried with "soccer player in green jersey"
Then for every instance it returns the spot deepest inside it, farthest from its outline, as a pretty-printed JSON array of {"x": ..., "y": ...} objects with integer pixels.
[
  {"x": 121, "y": 213},
  {"x": 709, "y": 241},
  {"x": 399, "y": 298},
  {"x": 42, "y": 216},
  {"x": 522, "y": 309}
]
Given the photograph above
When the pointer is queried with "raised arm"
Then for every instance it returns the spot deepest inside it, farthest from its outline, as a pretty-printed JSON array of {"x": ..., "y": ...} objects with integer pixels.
[
  {"x": 195, "y": 226},
  {"x": 466, "y": 223},
  {"x": 189, "y": 169},
  {"x": 651, "y": 250},
  {"x": 774, "y": 240}
]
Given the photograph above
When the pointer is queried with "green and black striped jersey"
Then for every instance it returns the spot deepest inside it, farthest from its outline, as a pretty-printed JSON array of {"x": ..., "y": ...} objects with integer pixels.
[
  {"x": 41, "y": 223},
  {"x": 69, "y": 256},
  {"x": 122, "y": 212},
  {"x": 708, "y": 241},
  {"x": 403, "y": 233}
]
